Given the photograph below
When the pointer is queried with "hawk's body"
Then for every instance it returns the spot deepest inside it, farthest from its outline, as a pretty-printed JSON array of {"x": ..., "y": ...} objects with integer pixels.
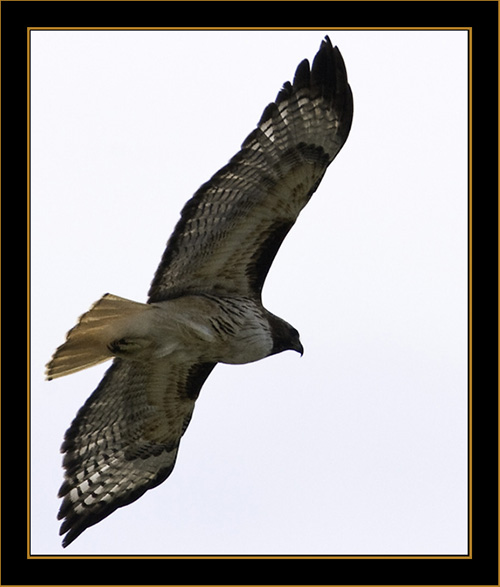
[{"x": 204, "y": 304}]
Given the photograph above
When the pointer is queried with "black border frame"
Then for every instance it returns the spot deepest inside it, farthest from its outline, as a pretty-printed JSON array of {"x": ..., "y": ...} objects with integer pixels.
[{"x": 482, "y": 567}]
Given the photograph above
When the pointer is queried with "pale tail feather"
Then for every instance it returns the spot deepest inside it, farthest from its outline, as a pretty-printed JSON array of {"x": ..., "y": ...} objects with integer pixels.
[{"x": 88, "y": 342}]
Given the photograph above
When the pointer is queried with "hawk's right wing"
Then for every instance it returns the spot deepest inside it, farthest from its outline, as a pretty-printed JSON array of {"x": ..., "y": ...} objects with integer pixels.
[
  {"x": 124, "y": 440},
  {"x": 231, "y": 229}
]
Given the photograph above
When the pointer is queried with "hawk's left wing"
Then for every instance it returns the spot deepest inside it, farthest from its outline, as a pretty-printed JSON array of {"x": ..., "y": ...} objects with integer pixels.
[{"x": 124, "y": 440}]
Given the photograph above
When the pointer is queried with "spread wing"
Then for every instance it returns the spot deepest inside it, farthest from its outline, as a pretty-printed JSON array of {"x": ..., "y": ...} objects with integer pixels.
[
  {"x": 231, "y": 229},
  {"x": 124, "y": 440}
]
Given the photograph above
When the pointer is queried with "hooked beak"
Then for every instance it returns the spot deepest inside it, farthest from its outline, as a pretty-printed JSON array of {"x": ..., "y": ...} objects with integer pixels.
[{"x": 299, "y": 348}]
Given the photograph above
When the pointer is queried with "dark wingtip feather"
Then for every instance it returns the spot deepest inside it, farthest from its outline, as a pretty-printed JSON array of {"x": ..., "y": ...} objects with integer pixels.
[
  {"x": 284, "y": 93},
  {"x": 323, "y": 71},
  {"x": 301, "y": 78},
  {"x": 327, "y": 77},
  {"x": 329, "y": 81}
]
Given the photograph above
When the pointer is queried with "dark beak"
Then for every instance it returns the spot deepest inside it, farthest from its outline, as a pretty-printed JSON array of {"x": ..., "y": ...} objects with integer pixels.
[{"x": 299, "y": 348}]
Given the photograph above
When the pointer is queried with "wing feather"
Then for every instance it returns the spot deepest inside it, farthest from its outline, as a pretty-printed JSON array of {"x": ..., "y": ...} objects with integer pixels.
[
  {"x": 125, "y": 439},
  {"x": 231, "y": 229}
]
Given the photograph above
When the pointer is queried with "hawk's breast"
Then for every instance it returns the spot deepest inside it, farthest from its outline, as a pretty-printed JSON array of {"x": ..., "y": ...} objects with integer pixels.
[{"x": 223, "y": 329}]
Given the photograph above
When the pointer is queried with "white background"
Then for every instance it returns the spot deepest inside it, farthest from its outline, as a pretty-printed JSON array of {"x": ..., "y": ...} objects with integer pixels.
[{"x": 358, "y": 447}]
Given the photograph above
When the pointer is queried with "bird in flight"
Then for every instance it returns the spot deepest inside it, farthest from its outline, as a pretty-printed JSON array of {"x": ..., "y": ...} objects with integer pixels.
[{"x": 204, "y": 305}]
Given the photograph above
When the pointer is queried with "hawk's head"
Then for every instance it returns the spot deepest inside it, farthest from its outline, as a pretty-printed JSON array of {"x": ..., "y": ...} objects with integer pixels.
[{"x": 285, "y": 336}]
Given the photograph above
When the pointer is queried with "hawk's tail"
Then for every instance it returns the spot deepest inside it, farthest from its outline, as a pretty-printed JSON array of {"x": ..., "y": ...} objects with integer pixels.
[{"x": 91, "y": 341}]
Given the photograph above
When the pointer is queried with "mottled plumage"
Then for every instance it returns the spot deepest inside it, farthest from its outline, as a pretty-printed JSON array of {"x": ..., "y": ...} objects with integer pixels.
[{"x": 204, "y": 303}]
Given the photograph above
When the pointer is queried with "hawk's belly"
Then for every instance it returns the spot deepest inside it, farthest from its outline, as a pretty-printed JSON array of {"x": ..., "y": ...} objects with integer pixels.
[{"x": 211, "y": 328}]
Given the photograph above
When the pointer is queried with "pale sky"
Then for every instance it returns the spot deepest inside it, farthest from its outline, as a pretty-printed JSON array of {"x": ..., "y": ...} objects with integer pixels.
[{"x": 358, "y": 447}]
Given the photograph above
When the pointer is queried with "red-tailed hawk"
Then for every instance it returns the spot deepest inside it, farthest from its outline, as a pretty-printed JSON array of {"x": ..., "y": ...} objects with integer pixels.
[{"x": 204, "y": 303}]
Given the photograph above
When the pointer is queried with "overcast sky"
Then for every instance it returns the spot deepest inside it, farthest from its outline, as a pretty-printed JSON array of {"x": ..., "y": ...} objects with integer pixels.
[{"x": 358, "y": 447}]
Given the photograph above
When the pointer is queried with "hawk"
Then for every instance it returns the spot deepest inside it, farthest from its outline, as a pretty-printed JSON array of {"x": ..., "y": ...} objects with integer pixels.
[{"x": 204, "y": 305}]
